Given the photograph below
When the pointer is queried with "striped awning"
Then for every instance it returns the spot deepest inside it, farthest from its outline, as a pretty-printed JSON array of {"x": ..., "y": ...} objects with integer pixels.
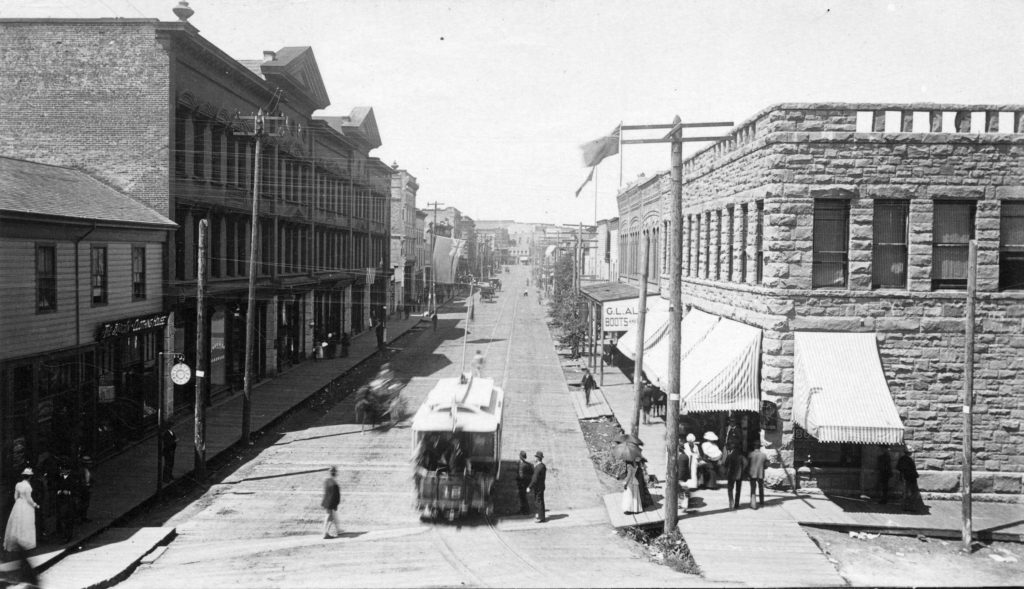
[
  {"x": 839, "y": 390},
  {"x": 696, "y": 326},
  {"x": 655, "y": 329},
  {"x": 722, "y": 372}
]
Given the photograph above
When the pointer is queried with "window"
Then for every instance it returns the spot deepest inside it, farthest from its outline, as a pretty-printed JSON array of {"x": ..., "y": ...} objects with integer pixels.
[
  {"x": 952, "y": 230},
  {"x": 743, "y": 243},
  {"x": 730, "y": 248},
  {"x": 759, "y": 243},
  {"x": 689, "y": 245},
  {"x": 718, "y": 244},
  {"x": 889, "y": 244},
  {"x": 1011, "y": 246},
  {"x": 46, "y": 278},
  {"x": 696, "y": 245},
  {"x": 99, "y": 275},
  {"x": 138, "y": 273},
  {"x": 707, "y": 245},
  {"x": 830, "y": 243},
  {"x": 198, "y": 149}
]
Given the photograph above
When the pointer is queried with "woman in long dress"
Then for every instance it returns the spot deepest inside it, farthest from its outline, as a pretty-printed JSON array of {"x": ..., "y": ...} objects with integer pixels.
[
  {"x": 21, "y": 526},
  {"x": 631, "y": 491}
]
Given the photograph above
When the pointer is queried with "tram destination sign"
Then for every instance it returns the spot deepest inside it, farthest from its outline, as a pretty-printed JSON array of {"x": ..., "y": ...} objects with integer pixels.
[{"x": 130, "y": 326}]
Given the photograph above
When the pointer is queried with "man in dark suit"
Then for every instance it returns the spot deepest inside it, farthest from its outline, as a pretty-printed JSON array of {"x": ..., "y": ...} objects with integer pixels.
[
  {"x": 588, "y": 383},
  {"x": 524, "y": 476},
  {"x": 66, "y": 487},
  {"x": 540, "y": 473},
  {"x": 330, "y": 502}
]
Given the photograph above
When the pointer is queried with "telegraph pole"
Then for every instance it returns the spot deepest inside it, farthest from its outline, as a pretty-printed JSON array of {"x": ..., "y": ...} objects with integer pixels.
[
  {"x": 675, "y": 137},
  {"x": 199, "y": 435},
  {"x": 968, "y": 450},
  {"x": 641, "y": 322},
  {"x": 259, "y": 120}
]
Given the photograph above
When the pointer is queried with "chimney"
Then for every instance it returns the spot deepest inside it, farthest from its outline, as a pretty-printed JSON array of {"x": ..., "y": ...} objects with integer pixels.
[{"x": 269, "y": 56}]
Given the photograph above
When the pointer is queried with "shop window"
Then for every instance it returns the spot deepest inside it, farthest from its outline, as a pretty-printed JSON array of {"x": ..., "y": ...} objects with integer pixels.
[
  {"x": 952, "y": 231},
  {"x": 138, "y": 273},
  {"x": 830, "y": 249},
  {"x": 46, "y": 278},
  {"x": 889, "y": 244},
  {"x": 99, "y": 274},
  {"x": 1011, "y": 246}
]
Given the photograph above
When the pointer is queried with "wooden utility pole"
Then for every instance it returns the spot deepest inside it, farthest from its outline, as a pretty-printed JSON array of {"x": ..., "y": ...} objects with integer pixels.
[
  {"x": 966, "y": 477},
  {"x": 641, "y": 323},
  {"x": 675, "y": 137},
  {"x": 199, "y": 432}
]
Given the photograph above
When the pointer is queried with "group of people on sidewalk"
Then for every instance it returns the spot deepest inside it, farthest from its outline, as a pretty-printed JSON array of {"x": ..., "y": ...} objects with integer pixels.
[
  {"x": 532, "y": 478},
  {"x": 742, "y": 459},
  {"x": 56, "y": 489}
]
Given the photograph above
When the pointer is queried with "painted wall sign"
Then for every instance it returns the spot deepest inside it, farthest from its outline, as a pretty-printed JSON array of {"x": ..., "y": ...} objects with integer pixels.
[
  {"x": 130, "y": 326},
  {"x": 617, "y": 316}
]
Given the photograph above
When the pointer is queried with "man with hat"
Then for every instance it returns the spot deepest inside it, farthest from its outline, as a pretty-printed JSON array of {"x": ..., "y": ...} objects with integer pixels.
[
  {"x": 906, "y": 467},
  {"x": 524, "y": 474},
  {"x": 85, "y": 492},
  {"x": 588, "y": 383},
  {"x": 540, "y": 473},
  {"x": 66, "y": 490}
]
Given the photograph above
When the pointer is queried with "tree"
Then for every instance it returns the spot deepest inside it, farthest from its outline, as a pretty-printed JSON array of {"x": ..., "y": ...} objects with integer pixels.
[{"x": 567, "y": 307}]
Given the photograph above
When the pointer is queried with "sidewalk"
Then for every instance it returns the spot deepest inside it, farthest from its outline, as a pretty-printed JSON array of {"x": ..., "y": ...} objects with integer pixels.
[
  {"x": 717, "y": 534},
  {"x": 128, "y": 480}
]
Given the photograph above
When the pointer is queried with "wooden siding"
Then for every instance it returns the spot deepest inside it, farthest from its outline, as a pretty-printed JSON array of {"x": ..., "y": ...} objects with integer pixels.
[{"x": 24, "y": 332}]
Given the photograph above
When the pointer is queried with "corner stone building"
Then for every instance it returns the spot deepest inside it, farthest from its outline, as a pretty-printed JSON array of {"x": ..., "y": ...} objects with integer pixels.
[{"x": 855, "y": 218}]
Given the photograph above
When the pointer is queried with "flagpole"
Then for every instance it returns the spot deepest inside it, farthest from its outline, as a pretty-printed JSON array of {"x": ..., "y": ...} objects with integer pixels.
[
  {"x": 595, "y": 195},
  {"x": 620, "y": 154}
]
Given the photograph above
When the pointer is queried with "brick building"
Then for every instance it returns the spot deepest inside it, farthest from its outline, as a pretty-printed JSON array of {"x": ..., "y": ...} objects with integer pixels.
[
  {"x": 83, "y": 320},
  {"x": 157, "y": 111},
  {"x": 816, "y": 225}
]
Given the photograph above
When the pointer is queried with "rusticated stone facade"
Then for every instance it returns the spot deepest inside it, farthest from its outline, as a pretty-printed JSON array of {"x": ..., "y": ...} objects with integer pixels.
[{"x": 764, "y": 183}]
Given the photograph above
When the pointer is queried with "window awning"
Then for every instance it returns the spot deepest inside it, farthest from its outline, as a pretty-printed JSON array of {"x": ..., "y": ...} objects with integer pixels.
[
  {"x": 696, "y": 326},
  {"x": 722, "y": 372},
  {"x": 655, "y": 329},
  {"x": 839, "y": 390}
]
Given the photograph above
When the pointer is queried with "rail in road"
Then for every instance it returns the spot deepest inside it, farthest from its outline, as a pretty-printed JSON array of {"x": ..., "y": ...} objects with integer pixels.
[{"x": 262, "y": 526}]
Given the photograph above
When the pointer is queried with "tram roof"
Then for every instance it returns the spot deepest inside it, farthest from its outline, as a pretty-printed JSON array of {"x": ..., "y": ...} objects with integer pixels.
[{"x": 477, "y": 406}]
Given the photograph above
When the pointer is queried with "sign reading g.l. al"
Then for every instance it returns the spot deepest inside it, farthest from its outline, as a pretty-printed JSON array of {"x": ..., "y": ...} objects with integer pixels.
[{"x": 620, "y": 315}]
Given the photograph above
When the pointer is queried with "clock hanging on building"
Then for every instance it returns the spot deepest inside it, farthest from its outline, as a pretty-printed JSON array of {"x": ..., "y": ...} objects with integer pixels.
[{"x": 181, "y": 373}]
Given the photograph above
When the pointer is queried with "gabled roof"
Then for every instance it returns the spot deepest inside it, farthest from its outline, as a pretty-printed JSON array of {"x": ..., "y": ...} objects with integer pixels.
[
  {"x": 360, "y": 125},
  {"x": 295, "y": 69},
  {"x": 29, "y": 188}
]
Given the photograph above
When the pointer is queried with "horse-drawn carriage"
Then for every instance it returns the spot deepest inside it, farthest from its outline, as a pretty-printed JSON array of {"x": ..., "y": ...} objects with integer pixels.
[
  {"x": 486, "y": 293},
  {"x": 380, "y": 400},
  {"x": 457, "y": 447}
]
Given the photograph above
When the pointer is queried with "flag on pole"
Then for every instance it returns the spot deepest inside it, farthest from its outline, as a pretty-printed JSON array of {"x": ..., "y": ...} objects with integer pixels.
[
  {"x": 590, "y": 177},
  {"x": 598, "y": 149}
]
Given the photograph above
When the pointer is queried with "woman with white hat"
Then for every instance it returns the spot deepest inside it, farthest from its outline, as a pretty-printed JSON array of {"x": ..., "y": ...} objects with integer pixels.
[
  {"x": 21, "y": 526},
  {"x": 713, "y": 456}
]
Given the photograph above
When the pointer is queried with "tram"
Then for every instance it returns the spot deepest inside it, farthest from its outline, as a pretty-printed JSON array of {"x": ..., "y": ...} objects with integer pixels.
[{"x": 456, "y": 442}]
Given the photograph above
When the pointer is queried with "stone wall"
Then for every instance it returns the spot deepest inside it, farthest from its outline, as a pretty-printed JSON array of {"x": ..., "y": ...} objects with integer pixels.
[{"x": 786, "y": 157}]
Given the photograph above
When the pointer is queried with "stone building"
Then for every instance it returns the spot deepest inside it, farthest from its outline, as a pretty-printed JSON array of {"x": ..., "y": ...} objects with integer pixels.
[
  {"x": 83, "y": 320},
  {"x": 157, "y": 111},
  {"x": 839, "y": 234}
]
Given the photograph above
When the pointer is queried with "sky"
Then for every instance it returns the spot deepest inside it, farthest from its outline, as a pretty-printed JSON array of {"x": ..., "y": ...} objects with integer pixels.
[{"x": 487, "y": 102}]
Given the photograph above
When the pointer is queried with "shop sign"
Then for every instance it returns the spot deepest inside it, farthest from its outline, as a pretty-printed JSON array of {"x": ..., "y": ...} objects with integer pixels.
[
  {"x": 130, "y": 326},
  {"x": 44, "y": 410},
  {"x": 619, "y": 315},
  {"x": 217, "y": 349},
  {"x": 105, "y": 393}
]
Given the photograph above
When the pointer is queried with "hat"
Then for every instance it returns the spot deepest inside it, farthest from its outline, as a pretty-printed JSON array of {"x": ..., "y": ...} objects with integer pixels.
[
  {"x": 691, "y": 438},
  {"x": 909, "y": 449},
  {"x": 539, "y": 454},
  {"x": 710, "y": 436},
  {"x": 27, "y": 472},
  {"x": 86, "y": 459},
  {"x": 522, "y": 454}
]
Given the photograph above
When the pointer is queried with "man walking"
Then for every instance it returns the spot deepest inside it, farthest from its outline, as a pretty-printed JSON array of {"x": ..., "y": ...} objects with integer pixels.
[
  {"x": 170, "y": 441},
  {"x": 478, "y": 364},
  {"x": 540, "y": 473},
  {"x": 330, "y": 502},
  {"x": 757, "y": 461},
  {"x": 524, "y": 475},
  {"x": 588, "y": 383}
]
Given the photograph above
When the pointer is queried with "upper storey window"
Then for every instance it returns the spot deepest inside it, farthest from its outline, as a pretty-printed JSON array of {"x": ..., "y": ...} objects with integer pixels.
[
  {"x": 831, "y": 241},
  {"x": 952, "y": 231},
  {"x": 1011, "y": 246},
  {"x": 889, "y": 244}
]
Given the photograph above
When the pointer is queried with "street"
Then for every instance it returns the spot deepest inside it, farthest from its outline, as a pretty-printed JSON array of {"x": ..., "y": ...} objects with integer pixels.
[{"x": 262, "y": 526}]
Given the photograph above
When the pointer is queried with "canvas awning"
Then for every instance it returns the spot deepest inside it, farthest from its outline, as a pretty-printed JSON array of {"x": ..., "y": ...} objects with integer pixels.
[
  {"x": 655, "y": 329},
  {"x": 720, "y": 364},
  {"x": 839, "y": 390}
]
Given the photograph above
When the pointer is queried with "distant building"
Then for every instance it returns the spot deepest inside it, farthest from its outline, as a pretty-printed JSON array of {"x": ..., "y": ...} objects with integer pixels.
[
  {"x": 83, "y": 319},
  {"x": 404, "y": 237}
]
